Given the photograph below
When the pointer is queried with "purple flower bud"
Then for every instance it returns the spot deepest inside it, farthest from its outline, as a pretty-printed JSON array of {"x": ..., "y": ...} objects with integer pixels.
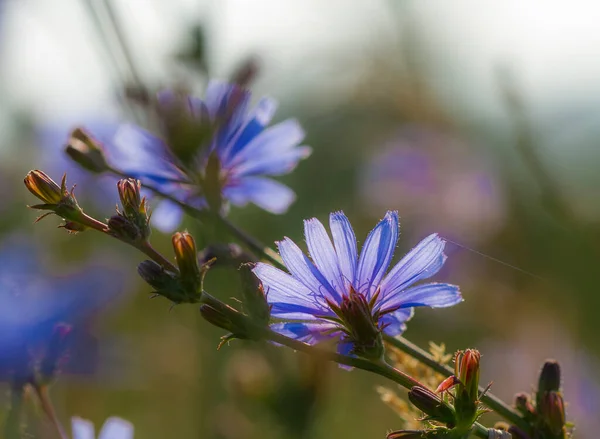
[
  {"x": 86, "y": 151},
  {"x": 135, "y": 208},
  {"x": 552, "y": 411},
  {"x": 430, "y": 404},
  {"x": 549, "y": 377},
  {"x": 123, "y": 228}
]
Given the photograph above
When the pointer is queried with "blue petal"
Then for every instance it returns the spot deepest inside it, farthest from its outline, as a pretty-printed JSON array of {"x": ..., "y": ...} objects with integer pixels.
[
  {"x": 82, "y": 428},
  {"x": 345, "y": 246},
  {"x": 288, "y": 295},
  {"x": 166, "y": 216},
  {"x": 434, "y": 295},
  {"x": 310, "y": 333},
  {"x": 395, "y": 322},
  {"x": 140, "y": 154},
  {"x": 274, "y": 140},
  {"x": 267, "y": 194},
  {"x": 421, "y": 262},
  {"x": 215, "y": 96},
  {"x": 274, "y": 164},
  {"x": 116, "y": 428},
  {"x": 376, "y": 254},
  {"x": 303, "y": 269},
  {"x": 323, "y": 254},
  {"x": 258, "y": 119}
]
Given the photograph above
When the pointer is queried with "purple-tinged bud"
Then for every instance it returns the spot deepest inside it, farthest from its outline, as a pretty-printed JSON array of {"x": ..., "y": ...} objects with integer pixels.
[
  {"x": 164, "y": 282},
  {"x": 552, "y": 411},
  {"x": 517, "y": 433},
  {"x": 186, "y": 256},
  {"x": 430, "y": 404},
  {"x": 549, "y": 377},
  {"x": 135, "y": 208},
  {"x": 44, "y": 188},
  {"x": 123, "y": 228},
  {"x": 86, "y": 151},
  {"x": 523, "y": 404}
]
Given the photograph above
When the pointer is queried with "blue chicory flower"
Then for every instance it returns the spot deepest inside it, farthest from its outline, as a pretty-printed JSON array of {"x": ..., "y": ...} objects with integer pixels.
[
  {"x": 340, "y": 294},
  {"x": 247, "y": 152},
  {"x": 113, "y": 428}
]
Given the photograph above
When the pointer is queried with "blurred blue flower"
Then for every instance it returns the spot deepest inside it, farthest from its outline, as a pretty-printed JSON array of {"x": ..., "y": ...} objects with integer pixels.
[
  {"x": 340, "y": 294},
  {"x": 247, "y": 151},
  {"x": 34, "y": 301},
  {"x": 113, "y": 428}
]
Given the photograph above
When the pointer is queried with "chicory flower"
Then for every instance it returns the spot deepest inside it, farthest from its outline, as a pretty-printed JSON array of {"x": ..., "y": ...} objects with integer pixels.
[{"x": 341, "y": 294}]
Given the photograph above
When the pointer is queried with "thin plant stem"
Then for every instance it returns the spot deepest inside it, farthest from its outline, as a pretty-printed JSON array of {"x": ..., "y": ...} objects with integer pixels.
[
  {"x": 44, "y": 397},
  {"x": 492, "y": 401}
]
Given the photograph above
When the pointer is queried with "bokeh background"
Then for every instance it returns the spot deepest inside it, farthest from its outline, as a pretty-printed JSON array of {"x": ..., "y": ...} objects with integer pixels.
[{"x": 478, "y": 120}]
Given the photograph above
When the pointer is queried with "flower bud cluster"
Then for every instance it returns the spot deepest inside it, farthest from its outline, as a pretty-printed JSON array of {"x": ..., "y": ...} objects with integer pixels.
[
  {"x": 132, "y": 223},
  {"x": 545, "y": 413}
]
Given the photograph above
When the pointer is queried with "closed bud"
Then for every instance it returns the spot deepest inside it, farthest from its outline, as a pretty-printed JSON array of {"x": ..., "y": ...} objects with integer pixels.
[
  {"x": 44, "y": 188},
  {"x": 469, "y": 372},
  {"x": 86, "y": 151},
  {"x": 165, "y": 283},
  {"x": 552, "y": 411},
  {"x": 135, "y": 207},
  {"x": 549, "y": 377},
  {"x": 227, "y": 318},
  {"x": 254, "y": 299},
  {"x": 123, "y": 228},
  {"x": 523, "y": 403},
  {"x": 186, "y": 256},
  {"x": 216, "y": 318},
  {"x": 430, "y": 404}
]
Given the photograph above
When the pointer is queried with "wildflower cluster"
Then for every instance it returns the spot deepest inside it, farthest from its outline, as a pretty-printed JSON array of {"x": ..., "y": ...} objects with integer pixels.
[{"x": 216, "y": 151}]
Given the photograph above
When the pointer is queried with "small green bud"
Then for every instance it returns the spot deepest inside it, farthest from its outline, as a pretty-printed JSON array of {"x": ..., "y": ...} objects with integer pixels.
[
  {"x": 430, "y": 404},
  {"x": 86, "y": 151}
]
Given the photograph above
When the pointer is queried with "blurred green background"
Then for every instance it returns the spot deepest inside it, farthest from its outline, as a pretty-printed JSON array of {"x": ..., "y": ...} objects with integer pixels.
[{"x": 477, "y": 120}]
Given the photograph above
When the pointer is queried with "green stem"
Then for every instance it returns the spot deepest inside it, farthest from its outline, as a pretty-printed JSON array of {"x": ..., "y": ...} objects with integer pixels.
[
  {"x": 144, "y": 246},
  {"x": 488, "y": 399}
]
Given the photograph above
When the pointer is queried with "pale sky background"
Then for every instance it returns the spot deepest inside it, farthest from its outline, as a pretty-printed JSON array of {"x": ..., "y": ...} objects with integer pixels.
[{"x": 52, "y": 62}]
